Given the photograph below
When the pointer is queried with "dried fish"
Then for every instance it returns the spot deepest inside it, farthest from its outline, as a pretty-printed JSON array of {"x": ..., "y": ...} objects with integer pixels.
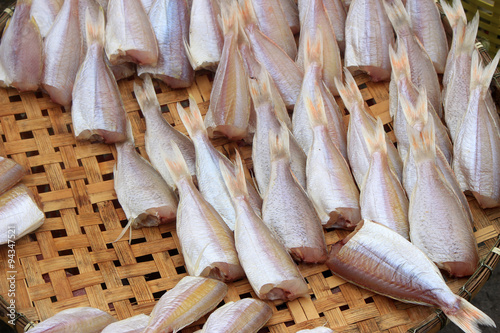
[
  {"x": 45, "y": 12},
  {"x": 292, "y": 14},
  {"x": 135, "y": 324},
  {"x": 10, "y": 173},
  {"x": 317, "y": 330}
]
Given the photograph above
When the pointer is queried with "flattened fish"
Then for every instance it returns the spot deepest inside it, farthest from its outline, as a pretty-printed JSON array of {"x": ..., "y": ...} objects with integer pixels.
[
  {"x": 135, "y": 324},
  {"x": 10, "y": 173},
  {"x": 45, "y": 12}
]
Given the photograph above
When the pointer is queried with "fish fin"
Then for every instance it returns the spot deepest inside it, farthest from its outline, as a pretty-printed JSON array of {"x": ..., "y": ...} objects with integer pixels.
[
  {"x": 375, "y": 141},
  {"x": 279, "y": 143},
  {"x": 236, "y": 184},
  {"x": 189, "y": 55},
  {"x": 399, "y": 62},
  {"x": 130, "y": 134},
  {"x": 122, "y": 233},
  {"x": 466, "y": 38},
  {"x": 349, "y": 92},
  {"x": 468, "y": 317},
  {"x": 176, "y": 164},
  {"x": 34, "y": 23},
  {"x": 95, "y": 29},
  {"x": 422, "y": 143},
  {"x": 416, "y": 115},
  {"x": 230, "y": 17},
  {"x": 454, "y": 12},
  {"x": 193, "y": 121},
  {"x": 146, "y": 95},
  {"x": 313, "y": 50},
  {"x": 481, "y": 76},
  {"x": 315, "y": 107},
  {"x": 397, "y": 15},
  {"x": 247, "y": 12}
]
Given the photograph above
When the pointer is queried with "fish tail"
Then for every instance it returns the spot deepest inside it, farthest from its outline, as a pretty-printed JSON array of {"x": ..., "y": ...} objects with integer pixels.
[
  {"x": 397, "y": 15},
  {"x": 146, "y": 95},
  {"x": 230, "y": 17},
  {"x": 193, "y": 121},
  {"x": 349, "y": 92},
  {"x": 422, "y": 143},
  {"x": 416, "y": 115},
  {"x": 313, "y": 50},
  {"x": 247, "y": 13},
  {"x": 279, "y": 143},
  {"x": 466, "y": 38},
  {"x": 454, "y": 12},
  {"x": 95, "y": 29},
  {"x": 236, "y": 184},
  {"x": 399, "y": 62},
  {"x": 376, "y": 141},
  {"x": 468, "y": 317},
  {"x": 259, "y": 88},
  {"x": 176, "y": 164},
  {"x": 315, "y": 107},
  {"x": 481, "y": 76}
]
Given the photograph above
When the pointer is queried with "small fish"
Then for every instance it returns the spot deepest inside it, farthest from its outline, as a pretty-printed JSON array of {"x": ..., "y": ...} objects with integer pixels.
[
  {"x": 10, "y": 173},
  {"x": 269, "y": 268},
  {"x": 378, "y": 259},
  {"x": 44, "y": 12},
  {"x": 135, "y": 324},
  {"x": 317, "y": 330},
  {"x": 292, "y": 14},
  {"x": 160, "y": 134},
  {"x": 247, "y": 315},
  {"x": 98, "y": 113},
  {"x": 189, "y": 300},
  {"x": 18, "y": 209}
]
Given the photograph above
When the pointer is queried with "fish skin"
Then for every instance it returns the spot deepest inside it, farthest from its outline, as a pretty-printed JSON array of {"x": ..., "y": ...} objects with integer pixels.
[
  {"x": 367, "y": 43},
  {"x": 160, "y": 134},
  {"x": 10, "y": 173},
  {"x": 98, "y": 114},
  {"x": 147, "y": 4},
  {"x": 292, "y": 14},
  {"x": 426, "y": 24},
  {"x": 189, "y": 300},
  {"x": 247, "y": 315},
  {"x": 477, "y": 145},
  {"x": 62, "y": 54},
  {"x": 135, "y": 324},
  {"x": 408, "y": 274},
  {"x": 269, "y": 268},
  {"x": 173, "y": 66},
  {"x": 45, "y": 12},
  {"x": 22, "y": 44},
  {"x": 129, "y": 34},
  {"x": 317, "y": 330}
]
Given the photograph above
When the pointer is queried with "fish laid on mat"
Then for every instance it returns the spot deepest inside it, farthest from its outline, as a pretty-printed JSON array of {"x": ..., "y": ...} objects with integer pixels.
[
  {"x": 135, "y": 324},
  {"x": 10, "y": 173},
  {"x": 206, "y": 241},
  {"x": 378, "y": 259},
  {"x": 129, "y": 34},
  {"x": 330, "y": 184},
  {"x": 93, "y": 7},
  {"x": 205, "y": 35},
  {"x": 170, "y": 22},
  {"x": 80, "y": 319},
  {"x": 189, "y": 300},
  {"x": 21, "y": 50},
  {"x": 476, "y": 151},
  {"x": 292, "y": 14},
  {"x": 317, "y": 330},
  {"x": 361, "y": 121},
  {"x": 368, "y": 34},
  {"x": 439, "y": 224},
  {"x": 44, "y": 12},
  {"x": 269, "y": 268},
  {"x": 426, "y": 24},
  {"x": 19, "y": 213},
  {"x": 62, "y": 54},
  {"x": 145, "y": 197},
  {"x": 208, "y": 172},
  {"x": 98, "y": 113},
  {"x": 247, "y": 315},
  {"x": 160, "y": 134}
]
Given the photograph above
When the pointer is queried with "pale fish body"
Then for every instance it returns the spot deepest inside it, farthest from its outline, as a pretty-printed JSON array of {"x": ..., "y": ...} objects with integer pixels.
[
  {"x": 160, "y": 134},
  {"x": 205, "y": 35},
  {"x": 147, "y": 4},
  {"x": 97, "y": 112},
  {"x": 292, "y": 14},
  {"x": 170, "y": 22},
  {"x": 269, "y": 268},
  {"x": 208, "y": 173},
  {"x": 378, "y": 259},
  {"x": 10, "y": 173},
  {"x": 247, "y": 315},
  {"x": 45, "y": 12},
  {"x": 21, "y": 45},
  {"x": 368, "y": 33},
  {"x": 135, "y": 324},
  {"x": 317, "y": 330},
  {"x": 477, "y": 144},
  {"x": 330, "y": 184},
  {"x": 62, "y": 54},
  {"x": 19, "y": 209},
  {"x": 189, "y": 300},
  {"x": 427, "y": 26},
  {"x": 129, "y": 34}
]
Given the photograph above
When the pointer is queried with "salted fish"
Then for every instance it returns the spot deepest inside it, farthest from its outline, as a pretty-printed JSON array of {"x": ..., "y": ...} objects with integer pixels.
[
  {"x": 477, "y": 144},
  {"x": 206, "y": 241},
  {"x": 314, "y": 77},
  {"x": 320, "y": 329},
  {"x": 423, "y": 74},
  {"x": 135, "y": 324},
  {"x": 229, "y": 110},
  {"x": 361, "y": 121},
  {"x": 269, "y": 268},
  {"x": 80, "y": 319},
  {"x": 129, "y": 34},
  {"x": 170, "y": 22},
  {"x": 378, "y": 259},
  {"x": 426, "y": 24},
  {"x": 208, "y": 173},
  {"x": 145, "y": 197},
  {"x": 45, "y": 12},
  {"x": 160, "y": 134},
  {"x": 22, "y": 44},
  {"x": 330, "y": 184},
  {"x": 292, "y": 14},
  {"x": 247, "y": 315},
  {"x": 63, "y": 54},
  {"x": 368, "y": 33},
  {"x": 98, "y": 113},
  {"x": 205, "y": 35},
  {"x": 189, "y": 300},
  {"x": 147, "y": 4},
  {"x": 20, "y": 214},
  {"x": 10, "y": 173}
]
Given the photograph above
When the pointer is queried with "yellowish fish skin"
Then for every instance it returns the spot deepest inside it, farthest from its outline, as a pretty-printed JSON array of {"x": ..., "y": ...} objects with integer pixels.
[
  {"x": 45, "y": 12},
  {"x": 189, "y": 300},
  {"x": 379, "y": 259},
  {"x": 10, "y": 173},
  {"x": 62, "y": 54},
  {"x": 135, "y": 324},
  {"x": 84, "y": 319},
  {"x": 247, "y": 315}
]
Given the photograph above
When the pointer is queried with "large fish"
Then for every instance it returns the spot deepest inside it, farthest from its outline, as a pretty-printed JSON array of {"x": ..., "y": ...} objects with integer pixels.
[
  {"x": 269, "y": 268},
  {"x": 45, "y": 12},
  {"x": 10, "y": 173},
  {"x": 135, "y": 324},
  {"x": 98, "y": 113},
  {"x": 378, "y": 259}
]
